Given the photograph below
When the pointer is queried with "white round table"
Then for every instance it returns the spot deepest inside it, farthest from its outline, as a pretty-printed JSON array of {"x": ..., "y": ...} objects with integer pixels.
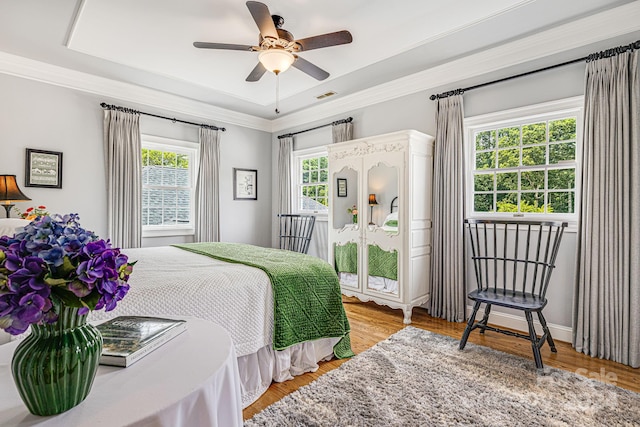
[{"x": 191, "y": 381}]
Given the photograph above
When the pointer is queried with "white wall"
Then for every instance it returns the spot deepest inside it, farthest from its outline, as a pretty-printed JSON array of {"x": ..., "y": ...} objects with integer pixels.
[
  {"x": 36, "y": 115},
  {"x": 245, "y": 221},
  {"x": 43, "y": 116},
  {"x": 416, "y": 111}
]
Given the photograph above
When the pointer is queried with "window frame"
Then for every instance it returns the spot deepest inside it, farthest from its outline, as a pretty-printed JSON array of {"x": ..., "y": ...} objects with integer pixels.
[
  {"x": 298, "y": 157},
  {"x": 547, "y": 111},
  {"x": 191, "y": 149}
]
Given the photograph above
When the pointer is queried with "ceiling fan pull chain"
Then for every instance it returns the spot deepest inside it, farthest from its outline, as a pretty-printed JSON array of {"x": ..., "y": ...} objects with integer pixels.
[{"x": 278, "y": 93}]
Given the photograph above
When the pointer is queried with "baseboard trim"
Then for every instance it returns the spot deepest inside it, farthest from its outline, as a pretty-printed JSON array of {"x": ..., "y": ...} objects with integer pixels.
[{"x": 519, "y": 323}]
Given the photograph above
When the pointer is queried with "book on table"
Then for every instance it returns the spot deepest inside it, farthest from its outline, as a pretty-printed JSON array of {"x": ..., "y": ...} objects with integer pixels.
[{"x": 127, "y": 339}]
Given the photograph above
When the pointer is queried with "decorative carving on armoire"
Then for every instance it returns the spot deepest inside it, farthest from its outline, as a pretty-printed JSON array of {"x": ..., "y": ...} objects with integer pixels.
[
  {"x": 366, "y": 148},
  {"x": 348, "y": 228},
  {"x": 356, "y": 151},
  {"x": 388, "y": 148}
]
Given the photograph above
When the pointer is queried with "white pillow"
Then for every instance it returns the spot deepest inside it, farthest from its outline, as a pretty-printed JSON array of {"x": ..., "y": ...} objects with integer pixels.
[
  {"x": 9, "y": 226},
  {"x": 386, "y": 226}
]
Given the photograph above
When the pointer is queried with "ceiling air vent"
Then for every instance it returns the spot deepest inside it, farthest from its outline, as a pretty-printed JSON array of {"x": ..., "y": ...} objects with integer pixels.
[{"x": 326, "y": 95}]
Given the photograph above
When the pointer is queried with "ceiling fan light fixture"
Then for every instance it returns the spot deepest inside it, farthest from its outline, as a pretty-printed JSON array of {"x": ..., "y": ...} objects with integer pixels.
[{"x": 276, "y": 60}]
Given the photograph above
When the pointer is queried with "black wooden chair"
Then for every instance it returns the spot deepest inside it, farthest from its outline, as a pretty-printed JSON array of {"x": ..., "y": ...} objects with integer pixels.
[
  {"x": 296, "y": 231},
  {"x": 513, "y": 262}
]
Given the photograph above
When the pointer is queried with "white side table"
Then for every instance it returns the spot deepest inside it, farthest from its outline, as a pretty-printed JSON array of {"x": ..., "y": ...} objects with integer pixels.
[{"x": 190, "y": 381}]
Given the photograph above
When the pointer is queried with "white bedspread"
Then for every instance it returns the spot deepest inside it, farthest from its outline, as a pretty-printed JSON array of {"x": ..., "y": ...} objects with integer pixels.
[
  {"x": 9, "y": 226},
  {"x": 235, "y": 296}
]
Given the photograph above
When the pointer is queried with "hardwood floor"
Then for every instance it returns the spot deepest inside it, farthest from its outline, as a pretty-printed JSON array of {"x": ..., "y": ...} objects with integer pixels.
[{"x": 371, "y": 323}]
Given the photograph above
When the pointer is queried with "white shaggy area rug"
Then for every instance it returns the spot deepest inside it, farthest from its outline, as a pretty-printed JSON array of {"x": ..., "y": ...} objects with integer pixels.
[{"x": 419, "y": 378}]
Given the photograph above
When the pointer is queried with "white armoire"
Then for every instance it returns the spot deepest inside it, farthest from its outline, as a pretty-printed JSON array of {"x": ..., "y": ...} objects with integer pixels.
[{"x": 385, "y": 256}]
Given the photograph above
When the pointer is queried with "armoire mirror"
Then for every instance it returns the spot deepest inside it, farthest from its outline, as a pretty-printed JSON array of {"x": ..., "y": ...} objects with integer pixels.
[
  {"x": 382, "y": 265},
  {"x": 382, "y": 187},
  {"x": 345, "y": 198},
  {"x": 346, "y": 263}
]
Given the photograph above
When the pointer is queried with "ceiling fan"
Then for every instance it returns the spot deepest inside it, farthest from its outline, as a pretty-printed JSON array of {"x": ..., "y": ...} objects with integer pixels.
[{"x": 277, "y": 49}]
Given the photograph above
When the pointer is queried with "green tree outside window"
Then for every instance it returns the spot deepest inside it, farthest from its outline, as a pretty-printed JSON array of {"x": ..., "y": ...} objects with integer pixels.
[{"x": 526, "y": 168}]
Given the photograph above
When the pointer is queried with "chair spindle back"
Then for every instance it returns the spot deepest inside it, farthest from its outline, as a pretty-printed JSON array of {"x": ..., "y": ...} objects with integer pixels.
[
  {"x": 514, "y": 256},
  {"x": 296, "y": 231}
]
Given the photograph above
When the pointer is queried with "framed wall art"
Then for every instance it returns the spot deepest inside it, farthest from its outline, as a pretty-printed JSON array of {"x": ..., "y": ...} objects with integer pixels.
[
  {"x": 342, "y": 187},
  {"x": 43, "y": 169},
  {"x": 245, "y": 184}
]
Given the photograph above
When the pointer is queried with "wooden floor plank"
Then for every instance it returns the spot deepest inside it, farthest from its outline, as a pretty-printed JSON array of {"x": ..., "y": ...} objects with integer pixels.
[{"x": 371, "y": 323}]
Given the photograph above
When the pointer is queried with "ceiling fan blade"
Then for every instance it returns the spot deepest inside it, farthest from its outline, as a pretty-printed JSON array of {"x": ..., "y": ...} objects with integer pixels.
[
  {"x": 226, "y": 46},
  {"x": 262, "y": 16},
  {"x": 257, "y": 73},
  {"x": 325, "y": 40},
  {"x": 309, "y": 68}
]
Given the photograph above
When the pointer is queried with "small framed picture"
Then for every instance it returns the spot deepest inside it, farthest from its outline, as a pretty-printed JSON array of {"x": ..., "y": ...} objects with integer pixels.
[
  {"x": 43, "y": 169},
  {"x": 342, "y": 187},
  {"x": 245, "y": 184}
]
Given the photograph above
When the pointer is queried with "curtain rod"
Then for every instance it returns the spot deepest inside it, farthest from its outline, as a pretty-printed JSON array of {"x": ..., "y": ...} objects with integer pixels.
[
  {"x": 592, "y": 57},
  {"x": 337, "y": 122},
  {"x": 173, "y": 119}
]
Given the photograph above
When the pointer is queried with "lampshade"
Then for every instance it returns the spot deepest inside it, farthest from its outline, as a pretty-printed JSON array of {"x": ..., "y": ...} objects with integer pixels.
[
  {"x": 9, "y": 192},
  {"x": 276, "y": 60}
]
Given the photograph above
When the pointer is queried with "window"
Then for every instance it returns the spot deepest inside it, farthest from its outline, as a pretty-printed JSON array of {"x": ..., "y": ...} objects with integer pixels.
[
  {"x": 168, "y": 186},
  {"x": 311, "y": 181},
  {"x": 524, "y": 162}
]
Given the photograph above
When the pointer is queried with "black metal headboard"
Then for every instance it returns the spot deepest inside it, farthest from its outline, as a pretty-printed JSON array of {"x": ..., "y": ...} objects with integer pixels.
[{"x": 394, "y": 203}]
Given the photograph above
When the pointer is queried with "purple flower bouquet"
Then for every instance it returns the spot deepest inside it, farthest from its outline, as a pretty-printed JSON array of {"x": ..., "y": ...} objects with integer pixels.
[{"x": 54, "y": 263}]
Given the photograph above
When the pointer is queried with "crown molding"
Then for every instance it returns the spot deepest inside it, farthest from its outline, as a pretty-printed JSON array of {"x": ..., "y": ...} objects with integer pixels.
[
  {"x": 59, "y": 76},
  {"x": 612, "y": 23}
]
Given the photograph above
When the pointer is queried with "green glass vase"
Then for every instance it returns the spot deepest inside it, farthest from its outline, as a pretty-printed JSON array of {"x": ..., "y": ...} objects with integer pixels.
[{"x": 54, "y": 367}]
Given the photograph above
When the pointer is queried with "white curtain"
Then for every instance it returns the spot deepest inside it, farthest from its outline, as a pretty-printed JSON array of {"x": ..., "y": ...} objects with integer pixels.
[
  {"x": 448, "y": 293},
  {"x": 123, "y": 158},
  {"x": 284, "y": 175},
  {"x": 342, "y": 132},
  {"x": 208, "y": 187},
  {"x": 606, "y": 311}
]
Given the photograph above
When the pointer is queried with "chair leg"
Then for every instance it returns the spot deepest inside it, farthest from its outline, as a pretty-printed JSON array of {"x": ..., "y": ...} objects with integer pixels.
[
  {"x": 467, "y": 330},
  {"x": 485, "y": 318},
  {"x": 543, "y": 322},
  {"x": 534, "y": 340}
]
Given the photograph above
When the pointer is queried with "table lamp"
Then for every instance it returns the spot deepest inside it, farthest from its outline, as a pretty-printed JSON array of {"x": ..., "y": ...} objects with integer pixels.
[
  {"x": 9, "y": 192},
  {"x": 372, "y": 202}
]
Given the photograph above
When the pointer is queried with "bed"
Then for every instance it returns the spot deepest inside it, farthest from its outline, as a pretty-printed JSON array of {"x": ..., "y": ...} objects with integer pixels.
[
  {"x": 9, "y": 226},
  {"x": 185, "y": 281},
  {"x": 383, "y": 265}
]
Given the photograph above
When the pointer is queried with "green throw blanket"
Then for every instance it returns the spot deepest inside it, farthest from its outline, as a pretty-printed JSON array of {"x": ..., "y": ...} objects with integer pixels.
[
  {"x": 307, "y": 297},
  {"x": 346, "y": 257},
  {"x": 391, "y": 223},
  {"x": 383, "y": 263}
]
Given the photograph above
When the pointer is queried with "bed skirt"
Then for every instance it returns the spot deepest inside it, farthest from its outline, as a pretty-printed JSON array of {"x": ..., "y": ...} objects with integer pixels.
[{"x": 258, "y": 370}]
